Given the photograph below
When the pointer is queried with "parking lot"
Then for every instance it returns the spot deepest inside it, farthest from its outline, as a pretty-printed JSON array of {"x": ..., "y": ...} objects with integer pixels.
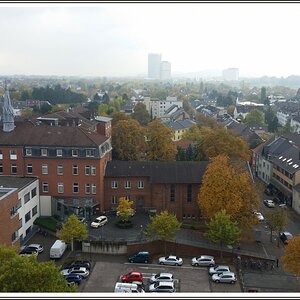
[{"x": 188, "y": 279}]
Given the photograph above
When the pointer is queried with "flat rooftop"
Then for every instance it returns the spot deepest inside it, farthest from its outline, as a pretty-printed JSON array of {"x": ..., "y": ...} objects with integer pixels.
[{"x": 15, "y": 181}]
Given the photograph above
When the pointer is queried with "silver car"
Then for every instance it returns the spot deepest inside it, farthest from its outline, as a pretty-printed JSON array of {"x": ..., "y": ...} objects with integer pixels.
[
  {"x": 161, "y": 277},
  {"x": 162, "y": 287},
  {"x": 170, "y": 260},
  {"x": 36, "y": 247},
  {"x": 203, "y": 261},
  {"x": 218, "y": 269},
  {"x": 226, "y": 277},
  {"x": 82, "y": 271}
]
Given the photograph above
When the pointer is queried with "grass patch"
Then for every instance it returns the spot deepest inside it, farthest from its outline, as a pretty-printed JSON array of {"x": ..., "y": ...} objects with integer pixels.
[
  {"x": 193, "y": 225},
  {"x": 49, "y": 223},
  {"x": 124, "y": 225}
]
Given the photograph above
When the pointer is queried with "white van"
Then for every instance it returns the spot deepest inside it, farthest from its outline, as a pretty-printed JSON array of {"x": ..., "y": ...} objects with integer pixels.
[
  {"x": 58, "y": 249},
  {"x": 122, "y": 287}
]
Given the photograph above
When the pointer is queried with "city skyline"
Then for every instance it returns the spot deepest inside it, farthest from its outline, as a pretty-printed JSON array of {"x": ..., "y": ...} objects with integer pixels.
[{"x": 114, "y": 39}]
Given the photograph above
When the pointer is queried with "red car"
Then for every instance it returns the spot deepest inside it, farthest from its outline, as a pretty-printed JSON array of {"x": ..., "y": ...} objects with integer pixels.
[{"x": 132, "y": 276}]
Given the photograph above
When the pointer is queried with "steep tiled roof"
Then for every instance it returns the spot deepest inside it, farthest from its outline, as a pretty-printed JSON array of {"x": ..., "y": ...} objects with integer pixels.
[
  {"x": 27, "y": 133},
  {"x": 180, "y": 124},
  {"x": 159, "y": 171}
]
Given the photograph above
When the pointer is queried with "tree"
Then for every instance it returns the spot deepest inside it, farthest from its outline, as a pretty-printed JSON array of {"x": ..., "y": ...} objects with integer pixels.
[
  {"x": 291, "y": 258},
  {"x": 254, "y": 117},
  {"x": 26, "y": 274},
  {"x": 118, "y": 116},
  {"x": 227, "y": 185},
  {"x": 263, "y": 95},
  {"x": 271, "y": 120},
  {"x": 222, "y": 141},
  {"x": 163, "y": 226},
  {"x": 105, "y": 98},
  {"x": 223, "y": 231},
  {"x": 141, "y": 114},
  {"x": 124, "y": 209},
  {"x": 159, "y": 144},
  {"x": 276, "y": 220},
  {"x": 73, "y": 229},
  {"x": 93, "y": 107},
  {"x": 128, "y": 140}
]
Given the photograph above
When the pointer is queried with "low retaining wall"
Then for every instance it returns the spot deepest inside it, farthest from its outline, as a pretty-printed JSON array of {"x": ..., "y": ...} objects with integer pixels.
[{"x": 104, "y": 247}]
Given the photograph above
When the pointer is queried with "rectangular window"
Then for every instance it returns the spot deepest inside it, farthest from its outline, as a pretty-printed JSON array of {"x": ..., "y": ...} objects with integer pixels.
[
  {"x": 29, "y": 169},
  {"x": 27, "y": 217},
  {"x": 75, "y": 188},
  {"x": 58, "y": 152},
  {"x": 93, "y": 170},
  {"x": 60, "y": 170},
  {"x": 74, "y": 152},
  {"x": 15, "y": 236},
  {"x": 44, "y": 169},
  {"x": 114, "y": 200},
  {"x": 189, "y": 193},
  {"x": 140, "y": 184},
  {"x": 13, "y": 169},
  {"x": 28, "y": 151},
  {"x": 13, "y": 211},
  {"x": 127, "y": 184},
  {"x": 127, "y": 198},
  {"x": 94, "y": 188},
  {"x": 26, "y": 197},
  {"x": 90, "y": 152},
  {"x": 13, "y": 154},
  {"x": 172, "y": 192},
  {"x": 34, "y": 211},
  {"x": 33, "y": 192},
  {"x": 1, "y": 168},
  {"x": 75, "y": 170},
  {"x": 87, "y": 170},
  {"x": 60, "y": 187},
  {"x": 44, "y": 152},
  {"x": 87, "y": 188},
  {"x": 45, "y": 187},
  {"x": 1, "y": 154},
  {"x": 114, "y": 184}
]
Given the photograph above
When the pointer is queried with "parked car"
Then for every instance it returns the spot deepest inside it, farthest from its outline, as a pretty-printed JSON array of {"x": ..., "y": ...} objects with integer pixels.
[
  {"x": 269, "y": 203},
  {"x": 259, "y": 216},
  {"x": 226, "y": 277},
  {"x": 81, "y": 263},
  {"x": 28, "y": 252},
  {"x": 203, "y": 261},
  {"x": 218, "y": 269},
  {"x": 139, "y": 257},
  {"x": 124, "y": 287},
  {"x": 170, "y": 260},
  {"x": 161, "y": 277},
  {"x": 74, "y": 278},
  {"x": 83, "y": 272},
  {"x": 285, "y": 237},
  {"x": 37, "y": 247},
  {"x": 268, "y": 192},
  {"x": 99, "y": 221},
  {"x": 132, "y": 276},
  {"x": 162, "y": 287}
]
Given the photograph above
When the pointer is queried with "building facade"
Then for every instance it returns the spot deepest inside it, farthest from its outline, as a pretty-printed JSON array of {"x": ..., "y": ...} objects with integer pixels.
[{"x": 154, "y": 64}]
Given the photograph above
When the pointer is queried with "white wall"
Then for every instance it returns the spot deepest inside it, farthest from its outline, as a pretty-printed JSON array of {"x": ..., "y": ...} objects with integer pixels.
[
  {"x": 45, "y": 205},
  {"x": 296, "y": 201}
]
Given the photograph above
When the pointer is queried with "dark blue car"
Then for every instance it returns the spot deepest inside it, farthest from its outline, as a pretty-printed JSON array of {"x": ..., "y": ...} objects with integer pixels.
[{"x": 73, "y": 278}]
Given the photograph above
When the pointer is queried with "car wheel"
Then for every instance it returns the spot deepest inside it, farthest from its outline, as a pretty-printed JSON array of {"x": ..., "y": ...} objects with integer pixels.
[
  {"x": 161, "y": 263},
  {"x": 176, "y": 264},
  {"x": 232, "y": 281},
  {"x": 211, "y": 265},
  {"x": 146, "y": 261},
  {"x": 196, "y": 265},
  {"x": 217, "y": 281},
  {"x": 131, "y": 261}
]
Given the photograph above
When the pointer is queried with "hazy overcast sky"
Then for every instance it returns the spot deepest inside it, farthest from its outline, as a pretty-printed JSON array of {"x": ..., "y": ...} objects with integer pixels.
[{"x": 115, "y": 39}]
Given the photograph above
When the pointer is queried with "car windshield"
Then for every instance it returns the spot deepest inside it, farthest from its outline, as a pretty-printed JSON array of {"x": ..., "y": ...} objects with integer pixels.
[
  {"x": 156, "y": 284},
  {"x": 157, "y": 275}
]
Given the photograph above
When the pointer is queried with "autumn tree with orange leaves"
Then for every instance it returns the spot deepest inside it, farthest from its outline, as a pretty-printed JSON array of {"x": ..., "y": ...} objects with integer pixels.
[
  {"x": 291, "y": 258},
  {"x": 227, "y": 185}
]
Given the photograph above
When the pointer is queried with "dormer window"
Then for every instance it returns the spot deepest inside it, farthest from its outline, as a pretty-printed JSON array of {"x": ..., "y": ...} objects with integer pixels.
[
  {"x": 90, "y": 152},
  {"x": 58, "y": 152},
  {"x": 28, "y": 151},
  {"x": 44, "y": 152},
  {"x": 75, "y": 152}
]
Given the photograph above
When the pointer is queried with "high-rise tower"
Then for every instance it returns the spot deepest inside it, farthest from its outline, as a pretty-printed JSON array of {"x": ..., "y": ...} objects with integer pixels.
[{"x": 154, "y": 61}]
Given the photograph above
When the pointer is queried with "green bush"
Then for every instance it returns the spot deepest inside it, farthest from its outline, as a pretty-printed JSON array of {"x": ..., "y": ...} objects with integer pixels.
[
  {"x": 193, "y": 225},
  {"x": 49, "y": 223}
]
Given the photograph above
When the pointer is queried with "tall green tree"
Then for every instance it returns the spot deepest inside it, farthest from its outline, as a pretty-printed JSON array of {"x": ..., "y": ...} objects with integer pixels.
[
  {"x": 72, "y": 230},
  {"x": 128, "y": 140},
  {"x": 263, "y": 95},
  {"x": 163, "y": 226},
  {"x": 124, "y": 209},
  {"x": 254, "y": 117},
  {"x": 159, "y": 142},
  {"x": 223, "y": 231},
  {"x": 141, "y": 114},
  {"x": 25, "y": 274}
]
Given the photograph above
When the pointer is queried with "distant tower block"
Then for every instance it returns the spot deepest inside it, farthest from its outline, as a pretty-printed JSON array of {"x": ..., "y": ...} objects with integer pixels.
[
  {"x": 154, "y": 61},
  {"x": 8, "y": 112},
  {"x": 165, "y": 70},
  {"x": 231, "y": 74}
]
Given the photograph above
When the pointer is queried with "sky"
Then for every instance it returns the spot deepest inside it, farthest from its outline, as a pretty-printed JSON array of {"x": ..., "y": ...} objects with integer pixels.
[{"x": 114, "y": 39}]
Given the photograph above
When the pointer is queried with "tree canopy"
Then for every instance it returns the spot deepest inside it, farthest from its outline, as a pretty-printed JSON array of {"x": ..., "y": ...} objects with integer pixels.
[
  {"x": 254, "y": 117},
  {"x": 124, "y": 209},
  {"x": 227, "y": 185},
  {"x": 128, "y": 140},
  {"x": 141, "y": 114},
  {"x": 223, "y": 231},
  {"x": 159, "y": 142},
  {"x": 26, "y": 274},
  {"x": 163, "y": 226},
  {"x": 291, "y": 258},
  {"x": 72, "y": 229}
]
